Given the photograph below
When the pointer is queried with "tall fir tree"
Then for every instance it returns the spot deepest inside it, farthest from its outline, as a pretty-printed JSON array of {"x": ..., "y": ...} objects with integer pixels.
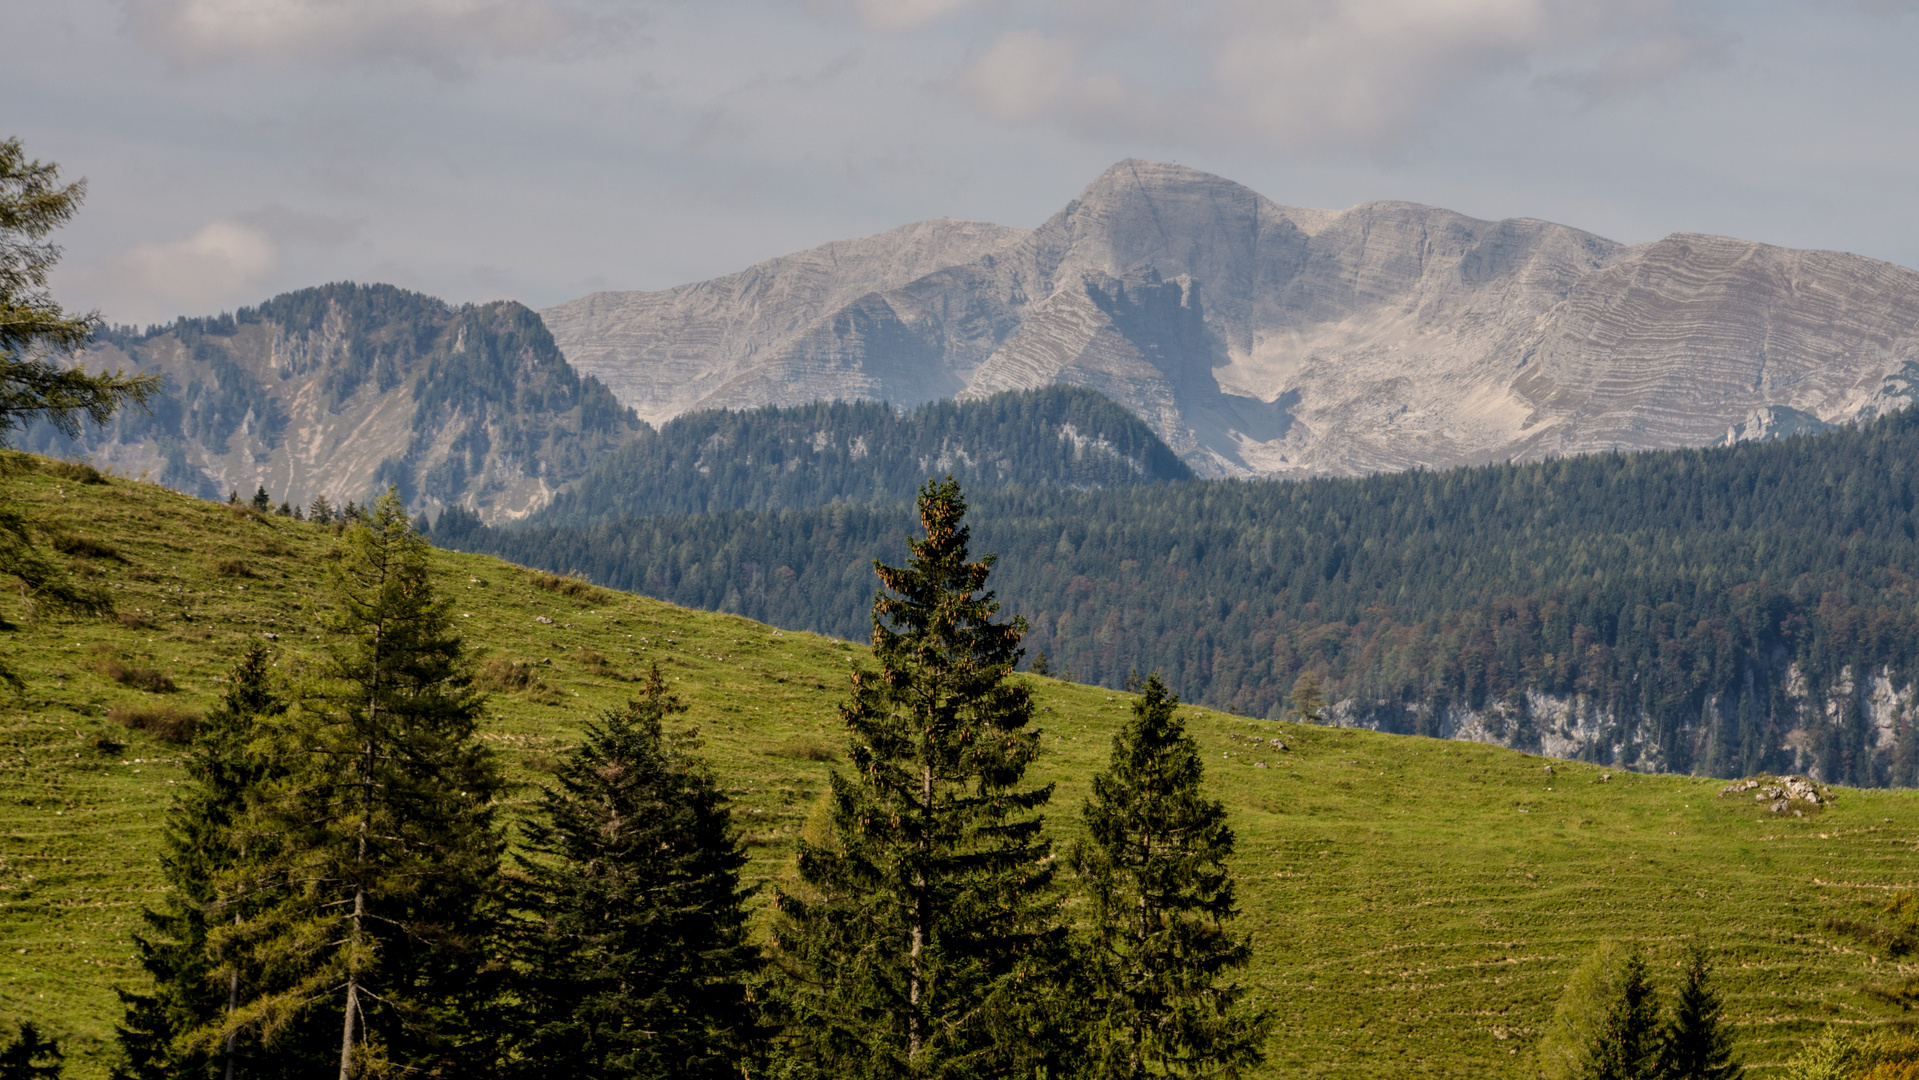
[
  {"x": 922, "y": 932},
  {"x": 201, "y": 845},
  {"x": 381, "y": 897},
  {"x": 635, "y": 961},
  {"x": 1154, "y": 865},
  {"x": 1626, "y": 1045},
  {"x": 1698, "y": 1045}
]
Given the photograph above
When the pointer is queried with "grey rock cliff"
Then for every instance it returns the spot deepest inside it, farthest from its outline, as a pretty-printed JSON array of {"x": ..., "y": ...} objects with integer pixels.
[
  {"x": 343, "y": 389},
  {"x": 1259, "y": 339}
]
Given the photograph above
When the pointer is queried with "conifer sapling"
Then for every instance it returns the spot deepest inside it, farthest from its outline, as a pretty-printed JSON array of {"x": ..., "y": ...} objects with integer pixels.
[{"x": 1154, "y": 864}]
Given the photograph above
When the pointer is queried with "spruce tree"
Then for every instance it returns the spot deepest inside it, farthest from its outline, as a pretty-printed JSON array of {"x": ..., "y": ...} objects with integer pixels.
[
  {"x": 635, "y": 961},
  {"x": 1626, "y": 1045},
  {"x": 383, "y": 884},
  {"x": 1697, "y": 1045},
  {"x": 1154, "y": 866},
  {"x": 921, "y": 934},
  {"x": 202, "y": 844}
]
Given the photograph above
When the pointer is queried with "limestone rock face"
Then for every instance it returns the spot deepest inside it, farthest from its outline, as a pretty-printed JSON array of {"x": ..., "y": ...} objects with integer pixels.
[
  {"x": 787, "y": 331},
  {"x": 341, "y": 390},
  {"x": 1259, "y": 339}
]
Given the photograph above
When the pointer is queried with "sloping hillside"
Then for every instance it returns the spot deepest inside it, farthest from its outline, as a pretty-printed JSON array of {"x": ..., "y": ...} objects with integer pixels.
[
  {"x": 343, "y": 389},
  {"x": 1261, "y": 338},
  {"x": 1719, "y": 611},
  {"x": 1415, "y": 904}
]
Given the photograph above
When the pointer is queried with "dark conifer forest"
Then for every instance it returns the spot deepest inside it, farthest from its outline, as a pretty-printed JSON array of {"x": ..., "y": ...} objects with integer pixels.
[
  {"x": 1693, "y": 601},
  {"x": 867, "y": 452}
]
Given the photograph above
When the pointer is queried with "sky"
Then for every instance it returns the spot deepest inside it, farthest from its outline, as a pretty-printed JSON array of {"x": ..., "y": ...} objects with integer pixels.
[{"x": 538, "y": 150}]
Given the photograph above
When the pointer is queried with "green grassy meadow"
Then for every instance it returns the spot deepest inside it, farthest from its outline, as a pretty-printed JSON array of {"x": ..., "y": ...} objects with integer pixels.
[{"x": 1415, "y": 904}]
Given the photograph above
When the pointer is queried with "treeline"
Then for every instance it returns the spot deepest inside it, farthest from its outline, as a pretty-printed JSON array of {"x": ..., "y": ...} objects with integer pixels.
[
  {"x": 1695, "y": 601},
  {"x": 866, "y": 452},
  {"x": 344, "y": 897}
]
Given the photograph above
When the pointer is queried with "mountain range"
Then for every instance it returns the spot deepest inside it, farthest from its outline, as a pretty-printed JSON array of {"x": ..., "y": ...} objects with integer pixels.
[
  {"x": 1252, "y": 338},
  {"x": 1258, "y": 338}
]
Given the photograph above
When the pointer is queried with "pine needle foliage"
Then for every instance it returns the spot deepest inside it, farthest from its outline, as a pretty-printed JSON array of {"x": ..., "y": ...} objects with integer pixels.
[
  {"x": 381, "y": 896},
  {"x": 1627, "y": 1044},
  {"x": 204, "y": 842},
  {"x": 922, "y": 931},
  {"x": 1154, "y": 865},
  {"x": 34, "y": 332},
  {"x": 30, "y": 1056},
  {"x": 634, "y": 956},
  {"x": 1698, "y": 1044}
]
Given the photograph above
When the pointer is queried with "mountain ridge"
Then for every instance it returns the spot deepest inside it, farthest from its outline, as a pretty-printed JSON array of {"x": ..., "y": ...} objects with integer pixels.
[
  {"x": 1385, "y": 336},
  {"x": 840, "y": 452}
]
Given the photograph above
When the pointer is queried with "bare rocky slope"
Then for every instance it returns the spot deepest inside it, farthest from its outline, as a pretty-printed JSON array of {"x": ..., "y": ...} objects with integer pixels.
[
  {"x": 1264, "y": 339},
  {"x": 343, "y": 389}
]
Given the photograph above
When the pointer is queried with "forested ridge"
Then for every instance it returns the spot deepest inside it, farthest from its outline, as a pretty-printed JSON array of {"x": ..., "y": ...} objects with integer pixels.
[
  {"x": 867, "y": 451},
  {"x": 1690, "y": 602}
]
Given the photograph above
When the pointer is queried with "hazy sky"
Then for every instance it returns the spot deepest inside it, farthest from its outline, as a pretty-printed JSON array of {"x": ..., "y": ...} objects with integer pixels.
[{"x": 541, "y": 149}]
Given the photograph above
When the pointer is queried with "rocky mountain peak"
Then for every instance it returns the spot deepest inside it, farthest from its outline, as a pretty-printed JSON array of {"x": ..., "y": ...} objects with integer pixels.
[{"x": 1387, "y": 335}]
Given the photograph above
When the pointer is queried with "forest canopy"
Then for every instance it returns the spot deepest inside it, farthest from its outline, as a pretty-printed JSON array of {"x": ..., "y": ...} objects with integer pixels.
[{"x": 1683, "y": 595}]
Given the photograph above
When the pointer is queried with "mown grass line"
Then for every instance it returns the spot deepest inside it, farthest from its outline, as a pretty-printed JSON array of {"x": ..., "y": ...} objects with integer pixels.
[{"x": 1415, "y": 904}]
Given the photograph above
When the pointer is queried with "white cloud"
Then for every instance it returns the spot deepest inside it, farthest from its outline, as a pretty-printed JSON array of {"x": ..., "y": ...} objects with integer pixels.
[
  {"x": 1023, "y": 75},
  {"x": 221, "y": 265},
  {"x": 1318, "y": 72},
  {"x": 287, "y": 225},
  {"x": 1646, "y": 62},
  {"x": 443, "y": 35},
  {"x": 899, "y": 14}
]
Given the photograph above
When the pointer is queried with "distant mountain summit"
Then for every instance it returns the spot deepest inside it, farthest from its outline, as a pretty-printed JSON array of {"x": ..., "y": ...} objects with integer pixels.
[
  {"x": 1257, "y": 338},
  {"x": 343, "y": 389}
]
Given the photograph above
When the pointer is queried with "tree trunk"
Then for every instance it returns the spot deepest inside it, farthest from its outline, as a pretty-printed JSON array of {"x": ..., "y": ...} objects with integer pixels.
[
  {"x": 352, "y": 983},
  {"x": 359, "y": 860},
  {"x": 359, "y": 921},
  {"x": 921, "y": 916},
  {"x": 1142, "y": 935},
  {"x": 233, "y": 1002}
]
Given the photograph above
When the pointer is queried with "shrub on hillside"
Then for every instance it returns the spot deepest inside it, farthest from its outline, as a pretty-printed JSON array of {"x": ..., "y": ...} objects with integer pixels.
[
  {"x": 86, "y": 548},
  {"x": 233, "y": 568},
  {"x": 572, "y": 586},
  {"x": 152, "y": 680},
  {"x": 804, "y": 750},
  {"x": 499, "y": 674},
  {"x": 77, "y": 471},
  {"x": 168, "y": 723}
]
